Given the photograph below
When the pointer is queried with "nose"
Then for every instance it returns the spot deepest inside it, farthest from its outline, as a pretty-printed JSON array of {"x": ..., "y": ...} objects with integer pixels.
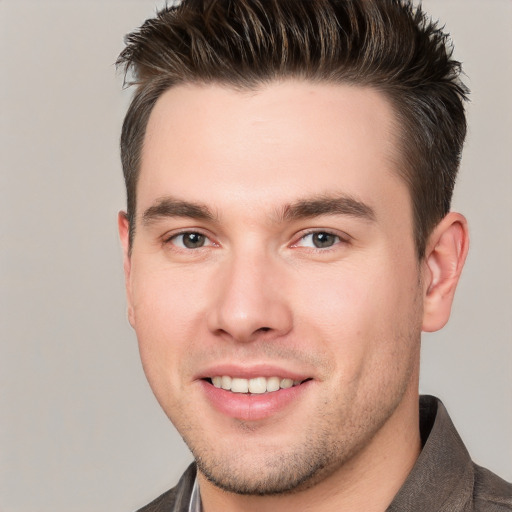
[{"x": 250, "y": 299}]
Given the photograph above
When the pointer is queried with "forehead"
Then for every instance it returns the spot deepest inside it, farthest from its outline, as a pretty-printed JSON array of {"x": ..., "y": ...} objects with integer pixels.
[{"x": 273, "y": 144}]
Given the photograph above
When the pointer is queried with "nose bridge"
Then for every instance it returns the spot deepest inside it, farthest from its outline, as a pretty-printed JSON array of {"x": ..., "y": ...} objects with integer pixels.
[{"x": 248, "y": 301}]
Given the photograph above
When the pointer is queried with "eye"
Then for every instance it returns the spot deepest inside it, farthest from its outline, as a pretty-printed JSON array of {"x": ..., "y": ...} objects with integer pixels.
[
  {"x": 190, "y": 240},
  {"x": 319, "y": 240}
]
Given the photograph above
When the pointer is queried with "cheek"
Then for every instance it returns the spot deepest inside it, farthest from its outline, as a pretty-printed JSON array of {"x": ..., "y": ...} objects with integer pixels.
[
  {"x": 165, "y": 301},
  {"x": 167, "y": 313},
  {"x": 359, "y": 315},
  {"x": 340, "y": 301}
]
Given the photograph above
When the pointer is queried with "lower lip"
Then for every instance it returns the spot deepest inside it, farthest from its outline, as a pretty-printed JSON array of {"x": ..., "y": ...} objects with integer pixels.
[{"x": 252, "y": 407}]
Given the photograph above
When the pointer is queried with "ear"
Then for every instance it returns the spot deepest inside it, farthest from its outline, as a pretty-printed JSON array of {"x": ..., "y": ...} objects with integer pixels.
[
  {"x": 446, "y": 252},
  {"x": 124, "y": 235}
]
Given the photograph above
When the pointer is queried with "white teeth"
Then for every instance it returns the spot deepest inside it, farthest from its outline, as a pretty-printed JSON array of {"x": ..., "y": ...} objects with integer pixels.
[
  {"x": 286, "y": 383},
  {"x": 225, "y": 382},
  {"x": 256, "y": 385},
  {"x": 239, "y": 385},
  {"x": 273, "y": 383}
]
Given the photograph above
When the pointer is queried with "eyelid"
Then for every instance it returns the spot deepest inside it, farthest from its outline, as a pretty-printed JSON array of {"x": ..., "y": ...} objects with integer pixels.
[
  {"x": 168, "y": 237},
  {"x": 344, "y": 238}
]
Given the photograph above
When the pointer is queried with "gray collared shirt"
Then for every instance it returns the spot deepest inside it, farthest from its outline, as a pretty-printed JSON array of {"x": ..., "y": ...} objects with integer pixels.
[{"x": 444, "y": 479}]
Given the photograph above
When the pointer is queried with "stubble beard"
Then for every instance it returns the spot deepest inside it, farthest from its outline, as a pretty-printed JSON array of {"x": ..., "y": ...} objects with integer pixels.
[
  {"x": 279, "y": 472},
  {"x": 337, "y": 433},
  {"x": 321, "y": 452}
]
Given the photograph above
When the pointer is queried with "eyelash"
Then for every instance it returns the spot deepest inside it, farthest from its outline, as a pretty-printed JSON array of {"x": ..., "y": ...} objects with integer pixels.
[
  {"x": 339, "y": 240},
  {"x": 169, "y": 239}
]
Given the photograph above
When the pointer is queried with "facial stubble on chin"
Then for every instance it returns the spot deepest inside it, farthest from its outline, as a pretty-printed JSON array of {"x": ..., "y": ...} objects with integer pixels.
[
  {"x": 280, "y": 474},
  {"x": 334, "y": 436},
  {"x": 287, "y": 471}
]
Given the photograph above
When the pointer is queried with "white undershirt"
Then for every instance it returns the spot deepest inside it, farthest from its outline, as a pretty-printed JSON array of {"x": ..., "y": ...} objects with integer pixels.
[{"x": 195, "y": 498}]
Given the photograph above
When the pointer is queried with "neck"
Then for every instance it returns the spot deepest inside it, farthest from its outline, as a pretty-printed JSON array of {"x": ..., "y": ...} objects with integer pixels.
[{"x": 368, "y": 481}]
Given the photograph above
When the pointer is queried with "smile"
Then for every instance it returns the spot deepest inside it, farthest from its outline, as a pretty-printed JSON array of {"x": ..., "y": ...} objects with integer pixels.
[
  {"x": 257, "y": 385},
  {"x": 254, "y": 398}
]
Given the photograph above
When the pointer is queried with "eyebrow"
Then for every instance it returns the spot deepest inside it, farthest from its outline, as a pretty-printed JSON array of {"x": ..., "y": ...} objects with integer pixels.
[
  {"x": 303, "y": 208},
  {"x": 328, "y": 205},
  {"x": 170, "y": 207}
]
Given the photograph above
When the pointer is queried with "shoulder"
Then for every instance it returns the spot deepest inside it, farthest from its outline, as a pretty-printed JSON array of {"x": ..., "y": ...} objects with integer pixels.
[
  {"x": 163, "y": 503},
  {"x": 491, "y": 493},
  {"x": 178, "y": 498}
]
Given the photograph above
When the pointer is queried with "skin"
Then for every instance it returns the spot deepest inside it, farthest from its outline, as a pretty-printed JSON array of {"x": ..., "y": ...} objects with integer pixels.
[{"x": 254, "y": 175}]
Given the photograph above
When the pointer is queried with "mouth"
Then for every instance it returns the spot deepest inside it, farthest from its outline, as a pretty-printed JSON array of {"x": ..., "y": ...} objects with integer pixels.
[
  {"x": 253, "y": 386},
  {"x": 254, "y": 394}
]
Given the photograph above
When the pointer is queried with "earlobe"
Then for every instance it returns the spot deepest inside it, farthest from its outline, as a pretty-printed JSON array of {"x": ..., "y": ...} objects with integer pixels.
[
  {"x": 124, "y": 235},
  {"x": 447, "y": 248}
]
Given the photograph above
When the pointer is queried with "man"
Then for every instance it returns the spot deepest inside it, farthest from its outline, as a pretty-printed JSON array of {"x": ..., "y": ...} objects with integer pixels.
[{"x": 289, "y": 168}]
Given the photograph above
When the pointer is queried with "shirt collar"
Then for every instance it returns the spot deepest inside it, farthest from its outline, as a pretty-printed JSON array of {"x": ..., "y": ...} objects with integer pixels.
[{"x": 443, "y": 477}]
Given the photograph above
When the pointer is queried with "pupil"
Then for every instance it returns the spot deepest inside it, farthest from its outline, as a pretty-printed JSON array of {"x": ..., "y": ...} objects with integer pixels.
[
  {"x": 193, "y": 240},
  {"x": 323, "y": 239}
]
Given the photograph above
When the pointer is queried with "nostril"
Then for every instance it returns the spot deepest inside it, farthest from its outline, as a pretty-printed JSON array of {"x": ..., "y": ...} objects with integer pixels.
[{"x": 264, "y": 329}]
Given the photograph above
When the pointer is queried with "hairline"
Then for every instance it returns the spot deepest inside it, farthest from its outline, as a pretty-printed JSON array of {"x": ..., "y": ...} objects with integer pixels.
[{"x": 397, "y": 157}]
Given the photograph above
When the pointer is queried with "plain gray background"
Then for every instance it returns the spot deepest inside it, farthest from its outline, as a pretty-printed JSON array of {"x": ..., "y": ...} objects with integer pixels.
[{"x": 79, "y": 428}]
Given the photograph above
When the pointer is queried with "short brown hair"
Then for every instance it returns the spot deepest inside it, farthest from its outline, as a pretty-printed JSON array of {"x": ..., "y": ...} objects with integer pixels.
[{"x": 389, "y": 45}]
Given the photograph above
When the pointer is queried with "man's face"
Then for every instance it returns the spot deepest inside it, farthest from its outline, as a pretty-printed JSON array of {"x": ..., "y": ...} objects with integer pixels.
[{"x": 274, "y": 246}]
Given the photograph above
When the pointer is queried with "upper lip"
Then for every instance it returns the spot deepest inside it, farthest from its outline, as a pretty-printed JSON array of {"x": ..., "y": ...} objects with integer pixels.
[{"x": 251, "y": 372}]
